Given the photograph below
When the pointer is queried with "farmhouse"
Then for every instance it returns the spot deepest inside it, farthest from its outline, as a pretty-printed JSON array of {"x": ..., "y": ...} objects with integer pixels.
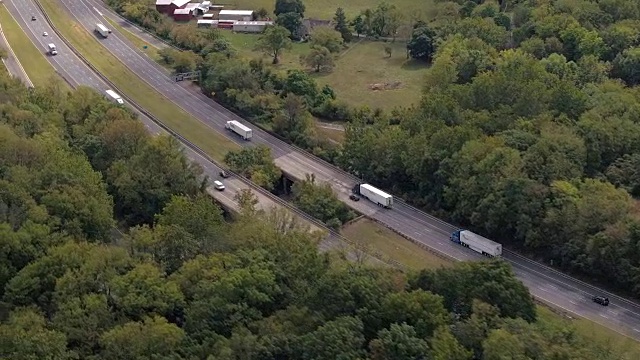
[{"x": 238, "y": 15}]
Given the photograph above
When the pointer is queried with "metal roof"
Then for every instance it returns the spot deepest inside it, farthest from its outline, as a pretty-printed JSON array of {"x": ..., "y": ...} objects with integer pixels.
[
  {"x": 180, "y": 3},
  {"x": 181, "y": 12},
  {"x": 253, "y": 23},
  {"x": 163, "y": 2},
  {"x": 236, "y": 12}
]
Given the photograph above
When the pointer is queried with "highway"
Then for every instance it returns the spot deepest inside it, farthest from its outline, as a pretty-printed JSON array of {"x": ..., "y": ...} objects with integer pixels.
[
  {"x": 546, "y": 284},
  {"x": 77, "y": 73}
]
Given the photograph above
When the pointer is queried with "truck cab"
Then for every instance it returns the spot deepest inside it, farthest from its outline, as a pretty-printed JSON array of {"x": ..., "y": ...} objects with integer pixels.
[{"x": 52, "y": 49}]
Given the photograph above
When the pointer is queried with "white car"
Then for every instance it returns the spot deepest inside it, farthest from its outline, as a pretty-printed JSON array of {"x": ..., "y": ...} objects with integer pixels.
[
  {"x": 45, "y": 34},
  {"x": 218, "y": 185}
]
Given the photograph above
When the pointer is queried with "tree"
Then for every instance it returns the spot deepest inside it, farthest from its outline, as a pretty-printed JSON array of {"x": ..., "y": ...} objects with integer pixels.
[
  {"x": 274, "y": 40},
  {"x": 255, "y": 163},
  {"x": 289, "y": 6},
  {"x": 341, "y": 26},
  {"x": 626, "y": 66},
  {"x": 338, "y": 339},
  {"x": 399, "y": 342},
  {"x": 25, "y": 336},
  {"x": 422, "y": 43},
  {"x": 152, "y": 338},
  {"x": 292, "y": 22},
  {"x": 446, "y": 347},
  {"x": 319, "y": 58},
  {"x": 261, "y": 14},
  {"x": 326, "y": 37},
  {"x": 359, "y": 25},
  {"x": 319, "y": 200}
]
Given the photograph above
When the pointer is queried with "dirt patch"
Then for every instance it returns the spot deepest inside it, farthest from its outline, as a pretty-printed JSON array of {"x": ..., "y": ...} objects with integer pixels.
[{"x": 385, "y": 86}]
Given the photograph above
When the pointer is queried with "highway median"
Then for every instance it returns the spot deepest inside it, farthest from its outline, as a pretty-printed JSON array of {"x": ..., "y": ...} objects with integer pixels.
[{"x": 213, "y": 143}]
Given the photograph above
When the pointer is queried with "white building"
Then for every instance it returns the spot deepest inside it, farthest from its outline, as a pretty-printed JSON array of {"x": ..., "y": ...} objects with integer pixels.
[
  {"x": 207, "y": 16},
  {"x": 251, "y": 26},
  {"x": 238, "y": 15},
  {"x": 207, "y": 23}
]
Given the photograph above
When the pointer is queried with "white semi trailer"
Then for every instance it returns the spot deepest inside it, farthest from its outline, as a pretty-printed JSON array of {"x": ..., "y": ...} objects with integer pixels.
[
  {"x": 102, "y": 30},
  {"x": 375, "y": 195},
  {"x": 239, "y": 129},
  {"x": 476, "y": 243},
  {"x": 113, "y": 96}
]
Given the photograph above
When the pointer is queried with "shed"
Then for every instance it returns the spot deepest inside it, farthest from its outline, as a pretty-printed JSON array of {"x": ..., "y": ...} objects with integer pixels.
[
  {"x": 207, "y": 23},
  {"x": 182, "y": 15},
  {"x": 239, "y": 15},
  {"x": 251, "y": 26},
  {"x": 207, "y": 16}
]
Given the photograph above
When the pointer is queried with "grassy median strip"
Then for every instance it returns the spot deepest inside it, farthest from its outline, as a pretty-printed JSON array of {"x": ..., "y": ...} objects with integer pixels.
[
  {"x": 86, "y": 43},
  {"x": 33, "y": 60}
]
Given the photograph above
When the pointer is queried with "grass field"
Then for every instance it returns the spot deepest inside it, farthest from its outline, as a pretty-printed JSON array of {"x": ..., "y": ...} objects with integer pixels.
[
  {"x": 359, "y": 69},
  {"x": 212, "y": 142},
  {"x": 325, "y": 9},
  {"x": 33, "y": 60},
  {"x": 595, "y": 332},
  {"x": 386, "y": 242},
  {"x": 365, "y": 67}
]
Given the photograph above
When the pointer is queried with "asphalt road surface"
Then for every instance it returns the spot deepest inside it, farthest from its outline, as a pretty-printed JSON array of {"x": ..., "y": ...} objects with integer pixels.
[
  {"x": 548, "y": 285},
  {"x": 78, "y": 74}
]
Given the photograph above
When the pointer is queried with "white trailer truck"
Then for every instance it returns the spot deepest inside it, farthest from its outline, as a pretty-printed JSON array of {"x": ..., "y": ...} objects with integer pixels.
[
  {"x": 102, "y": 30},
  {"x": 239, "y": 129},
  {"x": 476, "y": 243},
  {"x": 113, "y": 96},
  {"x": 375, "y": 195},
  {"x": 52, "y": 49}
]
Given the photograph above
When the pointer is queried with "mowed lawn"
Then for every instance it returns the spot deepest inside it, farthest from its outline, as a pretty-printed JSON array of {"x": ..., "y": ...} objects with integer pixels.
[
  {"x": 325, "y": 9},
  {"x": 366, "y": 75}
]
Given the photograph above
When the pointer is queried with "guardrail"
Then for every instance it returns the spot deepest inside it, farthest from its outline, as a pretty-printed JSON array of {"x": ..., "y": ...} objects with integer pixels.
[{"x": 199, "y": 151}]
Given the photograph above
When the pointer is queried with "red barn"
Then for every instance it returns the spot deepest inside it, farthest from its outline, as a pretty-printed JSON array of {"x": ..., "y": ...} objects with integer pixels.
[
  {"x": 169, "y": 6},
  {"x": 182, "y": 14}
]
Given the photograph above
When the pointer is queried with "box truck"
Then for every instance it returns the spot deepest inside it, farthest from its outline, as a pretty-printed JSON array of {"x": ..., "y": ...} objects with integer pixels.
[
  {"x": 52, "y": 49},
  {"x": 102, "y": 30},
  {"x": 113, "y": 96},
  {"x": 476, "y": 243},
  {"x": 239, "y": 129},
  {"x": 376, "y": 195}
]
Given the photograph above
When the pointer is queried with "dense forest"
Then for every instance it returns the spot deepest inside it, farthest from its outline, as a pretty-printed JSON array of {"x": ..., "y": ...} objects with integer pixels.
[
  {"x": 110, "y": 249},
  {"x": 528, "y": 130}
]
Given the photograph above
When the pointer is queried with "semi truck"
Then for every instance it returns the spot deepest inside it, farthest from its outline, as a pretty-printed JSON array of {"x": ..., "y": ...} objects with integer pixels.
[
  {"x": 239, "y": 129},
  {"x": 375, "y": 195},
  {"x": 52, "y": 49},
  {"x": 102, "y": 30},
  {"x": 476, "y": 243},
  {"x": 113, "y": 96}
]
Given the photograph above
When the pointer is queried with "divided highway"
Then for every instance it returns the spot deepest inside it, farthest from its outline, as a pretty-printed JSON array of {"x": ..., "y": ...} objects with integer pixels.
[
  {"x": 77, "y": 73},
  {"x": 546, "y": 284}
]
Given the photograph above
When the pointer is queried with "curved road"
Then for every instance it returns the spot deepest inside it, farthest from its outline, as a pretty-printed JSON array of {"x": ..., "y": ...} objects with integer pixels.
[
  {"x": 546, "y": 284},
  {"x": 75, "y": 71}
]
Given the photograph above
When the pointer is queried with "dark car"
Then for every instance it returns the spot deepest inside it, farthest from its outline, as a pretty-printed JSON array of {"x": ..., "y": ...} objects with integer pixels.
[
  {"x": 354, "y": 197},
  {"x": 224, "y": 174},
  {"x": 604, "y": 301},
  {"x": 33, "y": 18}
]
